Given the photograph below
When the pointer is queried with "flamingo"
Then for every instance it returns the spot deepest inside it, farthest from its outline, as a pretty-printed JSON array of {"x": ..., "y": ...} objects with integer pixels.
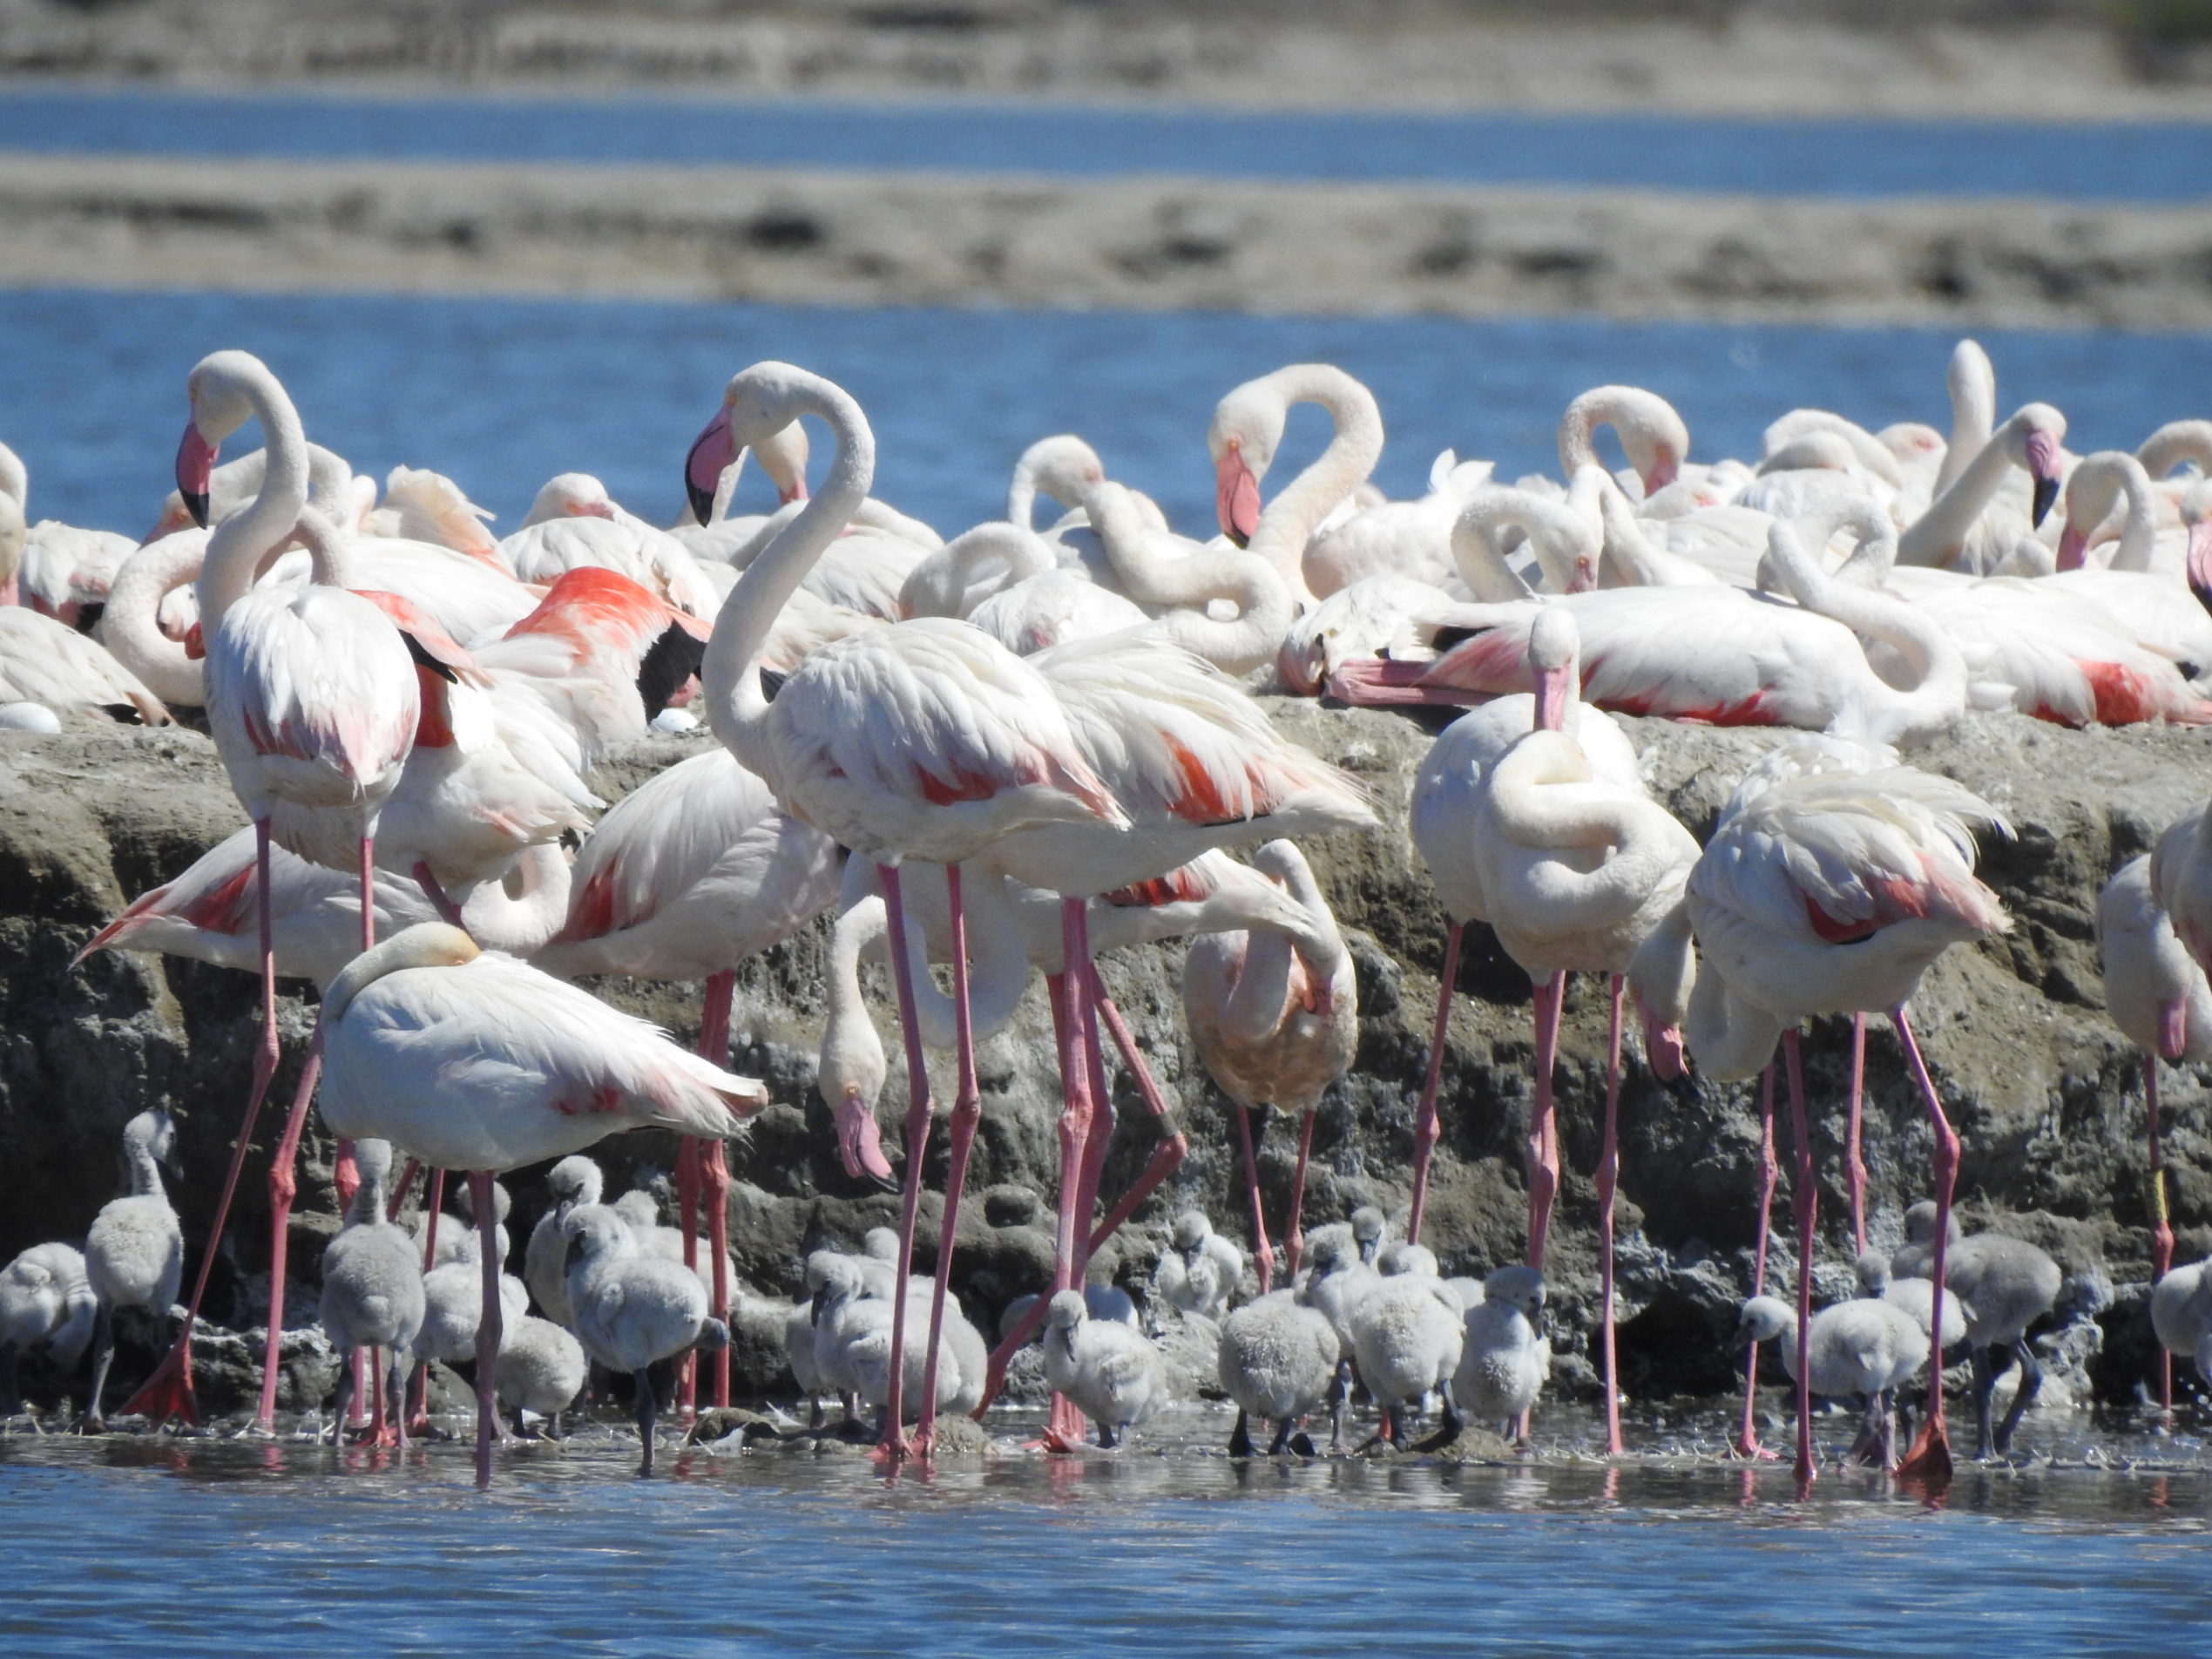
[
  {"x": 1835, "y": 878},
  {"x": 313, "y": 702},
  {"x": 65, "y": 571},
  {"x": 1274, "y": 1016},
  {"x": 1247, "y": 428},
  {"x": 1577, "y": 872},
  {"x": 1960, "y": 530},
  {"x": 684, "y": 878},
  {"x": 470, "y": 1060},
  {"x": 1181, "y": 590},
  {"x": 925, "y": 741},
  {"x": 2158, "y": 997},
  {"x": 574, "y": 525}
]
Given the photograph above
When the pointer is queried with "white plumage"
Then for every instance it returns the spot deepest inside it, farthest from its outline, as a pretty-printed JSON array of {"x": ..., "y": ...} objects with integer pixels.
[
  {"x": 134, "y": 1255},
  {"x": 1112, "y": 1374},
  {"x": 575, "y": 1180},
  {"x": 45, "y": 1302},
  {"x": 1866, "y": 1346},
  {"x": 634, "y": 1312},
  {"x": 1199, "y": 1271},
  {"x": 1408, "y": 1333},
  {"x": 1278, "y": 1362},
  {"x": 372, "y": 1289},
  {"x": 1505, "y": 1358},
  {"x": 541, "y": 1370}
]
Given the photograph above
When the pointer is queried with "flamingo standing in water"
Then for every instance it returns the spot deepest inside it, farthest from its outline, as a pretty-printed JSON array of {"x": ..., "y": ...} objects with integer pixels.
[
  {"x": 313, "y": 702},
  {"x": 476, "y": 1062},
  {"x": 1835, "y": 879},
  {"x": 1578, "y": 872},
  {"x": 1274, "y": 1015},
  {"x": 684, "y": 878},
  {"x": 927, "y": 741}
]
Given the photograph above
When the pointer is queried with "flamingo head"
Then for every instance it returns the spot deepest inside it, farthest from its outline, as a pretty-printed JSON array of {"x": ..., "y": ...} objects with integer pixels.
[
  {"x": 216, "y": 390},
  {"x": 1554, "y": 647},
  {"x": 714, "y": 451},
  {"x": 195, "y": 465},
  {"x": 2046, "y": 431},
  {"x": 757, "y": 405},
  {"x": 1236, "y": 494},
  {"x": 860, "y": 1143},
  {"x": 1666, "y": 466},
  {"x": 1247, "y": 428}
]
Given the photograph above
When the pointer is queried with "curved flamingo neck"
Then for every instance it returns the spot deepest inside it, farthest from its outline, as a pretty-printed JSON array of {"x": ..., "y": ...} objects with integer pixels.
[
  {"x": 130, "y": 627},
  {"x": 729, "y": 671},
  {"x": 1933, "y": 537},
  {"x": 938, "y": 585},
  {"x": 2139, "y": 530},
  {"x": 518, "y": 925},
  {"x": 1973, "y": 411},
  {"x": 1880, "y": 712},
  {"x": 1287, "y": 522},
  {"x": 1184, "y": 586},
  {"x": 241, "y": 541}
]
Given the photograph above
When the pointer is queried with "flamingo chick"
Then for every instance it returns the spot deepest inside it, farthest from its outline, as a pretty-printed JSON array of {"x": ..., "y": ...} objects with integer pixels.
[
  {"x": 1114, "y": 1374},
  {"x": 1199, "y": 1270},
  {"x": 634, "y": 1312},
  {"x": 1507, "y": 1357},
  {"x": 541, "y": 1371},
  {"x": 1863, "y": 1346},
  {"x": 372, "y": 1291},
  {"x": 45, "y": 1302},
  {"x": 1278, "y": 1362},
  {"x": 134, "y": 1255}
]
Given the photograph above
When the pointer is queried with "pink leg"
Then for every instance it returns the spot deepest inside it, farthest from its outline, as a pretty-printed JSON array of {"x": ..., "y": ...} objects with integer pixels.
[
  {"x": 1263, "y": 1252},
  {"x": 1855, "y": 1166},
  {"x": 1930, "y": 1458},
  {"x": 714, "y": 1167},
  {"x": 282, "y": 1187},
  {"x": 1425, "y": 1124},
  {"x": 1747, "y": 1442},
  {"x": 688, "y": 1219},
  {"x": 1608, "y": 1180},
  {"x": 893, "y": 1445},
  {"x": 1542, "y": 1153},
  {"x": 418, "y": 1408},
  {"x": 448, "y": 911},
  {"x": 168, "y": 1393},
  {"x": 967, "y": 1113},
  {"x": 1066, "y": 1426},
  {"x": 1100, "y": 1135},
  {"x": 2162, "y": 1233},
  {"x": 1805, "y": 1200},
  {"x": 1294, "y": 1236},
  {"x": 488, "y": 1325}
]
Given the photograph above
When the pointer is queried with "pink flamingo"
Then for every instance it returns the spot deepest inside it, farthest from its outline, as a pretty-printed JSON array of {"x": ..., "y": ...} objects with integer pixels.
[
  {"x": 1274, "y": 1016},
  {"x": 925, "y": 741},
  {"x": 1835, "y": 878},
  {"x": 312, "y": 703},
  {"x": 1578, "y": 872},
  {"x": 481, "y": 1063},
  {"x": 684, "y": 878}
]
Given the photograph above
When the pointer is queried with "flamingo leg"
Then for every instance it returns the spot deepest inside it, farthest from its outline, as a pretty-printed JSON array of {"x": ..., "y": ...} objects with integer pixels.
[
  {"x": 1542, "y": 1153},
  {"x": 1263, "y": 1252},
  {"x": 917, "y": 1140},
  {"x": 1747, "y": 1440},
  {"x": 1174, "y": 1147},
  {"x": 489, "y": 1331},
  {"x": 2161, "y": 1232},
  {"x": 1805, "y": 1201},
  {"x": 283, "y": 1185},
  {"x": 418, "y": 1406},
  {"x": 1064, "y": 1428},
  {"x": 1608, "y": 1180},
  {"x": 1425, "y": 1129},
  {"x": 1294, "y": 1236},
  {"x": 1930, "y": 1458},
  {"x": 168, "y": 1393},
  {"x": 1102, "y": 1123},
  {"x": 714, "y": 1167},
  {"x": 688, "y": 1219},
  {"x": 967, "y": 1113},
  {"x": 1854, "y": 1165}
]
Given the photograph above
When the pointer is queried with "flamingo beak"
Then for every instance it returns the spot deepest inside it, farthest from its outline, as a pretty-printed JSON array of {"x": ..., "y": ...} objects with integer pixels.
[
  {"x": 593, "y": 510},
  {"x": 2043, "y": 467},
  {"x": 2200, "y": 562},
  {"x": 1585, "y": 579},
  {"x": 2173, "y": 1031},
  {"x": 714, "y": 451},
  {"x": 1663, "y": 1049},
  {"x": 1303, "y": 666},
  {"x": 1236, "y": 496},
  {"x": 1665, "y": 467},
  {"x": 1552, "y": 694},
  {"x": 195, "y": 462},
  {"x": 2074, "y": 549},
  {"x": 860, "y": 1144}
]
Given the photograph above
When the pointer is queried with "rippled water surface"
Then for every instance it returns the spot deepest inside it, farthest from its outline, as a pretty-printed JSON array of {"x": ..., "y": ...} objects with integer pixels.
[
  {"x": 503, "y": 394},
  {"x": 186, "y": 1547},
  {"x": 2130, "y": 161}
]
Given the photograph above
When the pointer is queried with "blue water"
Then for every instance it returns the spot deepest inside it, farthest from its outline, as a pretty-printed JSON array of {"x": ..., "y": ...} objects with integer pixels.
[
  {"x": 2139, "y": 161},
  {"x": 503, "y": 394},
  {"x": 197, "y": 1547}
]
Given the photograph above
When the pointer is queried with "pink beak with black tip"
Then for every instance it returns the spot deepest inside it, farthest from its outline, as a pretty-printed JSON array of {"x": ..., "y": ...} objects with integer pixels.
[
  {"x": 2043, "y": 467},
  {"x": 712, "y": 452},
  {"x": 195, "y": 465},
  {"x": 1236, "y": 496},
  {"x": 860, "y": 1145}
]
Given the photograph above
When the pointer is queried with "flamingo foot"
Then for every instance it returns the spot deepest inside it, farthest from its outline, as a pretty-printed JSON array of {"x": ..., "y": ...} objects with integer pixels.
[
  {"x": 1930, "y": 1458},
  {"x": 860, "y": 1145},
  {"x": 1747, "y": 1447},
  {"x": 167, "y": 1393}
]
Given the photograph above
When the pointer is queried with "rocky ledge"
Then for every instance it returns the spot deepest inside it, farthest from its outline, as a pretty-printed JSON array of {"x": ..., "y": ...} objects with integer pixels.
[{"x": 2044, "y": 1092}]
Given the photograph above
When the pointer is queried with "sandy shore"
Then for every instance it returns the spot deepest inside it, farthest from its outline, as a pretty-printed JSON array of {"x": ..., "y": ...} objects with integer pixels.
[
  {"x": 875, "y": 238},
  {"x": 1753, "y": 60}
]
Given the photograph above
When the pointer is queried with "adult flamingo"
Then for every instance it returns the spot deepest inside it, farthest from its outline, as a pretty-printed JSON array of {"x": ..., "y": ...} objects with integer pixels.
[
  {"x": 1247, "y": 428},
  {"x": 927, "y": 741},
  {"x": 1274, "y": 1016},
  {"x": 1578, "y": 872},
  {"x": 1835, "y": 879},
  {"x": 2158, "y": 997},
  {"x": 684, "y": 878},
  {"x": 313, "y": 702},
  {"x": 477, "y": 1062}
]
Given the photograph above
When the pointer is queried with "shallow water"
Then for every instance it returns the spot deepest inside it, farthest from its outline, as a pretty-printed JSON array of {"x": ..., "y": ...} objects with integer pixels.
[
  {"x": 501, "y": 394},
  {"x": 2125, "y": 161},
  {"x": 190, "y": 1546}
]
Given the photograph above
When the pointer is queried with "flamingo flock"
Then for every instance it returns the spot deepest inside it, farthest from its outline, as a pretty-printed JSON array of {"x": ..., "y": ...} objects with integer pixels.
[{"x": 1019, "y": 748}]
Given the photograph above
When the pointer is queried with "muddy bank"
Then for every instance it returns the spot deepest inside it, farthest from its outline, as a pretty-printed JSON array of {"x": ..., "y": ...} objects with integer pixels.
[
  {"x": 2044, "y": 1091},
  {"x": 1770, "y": 58},
  {"x": 889, "y": 239}
]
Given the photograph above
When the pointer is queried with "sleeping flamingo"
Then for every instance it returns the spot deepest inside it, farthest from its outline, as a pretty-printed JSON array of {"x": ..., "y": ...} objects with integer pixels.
[
  {"x": 1835, "y": 878},
  {"x": 472, "y": 1062}
]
